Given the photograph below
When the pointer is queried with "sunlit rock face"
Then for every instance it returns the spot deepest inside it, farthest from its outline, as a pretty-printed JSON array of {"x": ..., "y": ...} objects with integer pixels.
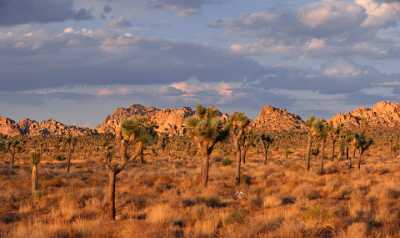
[
  {"x": 272, "y": 119},
  {"x": 8, "y": 127},
  {"x": 169, "y": 120},
  {"x": 381, "y": 115}
]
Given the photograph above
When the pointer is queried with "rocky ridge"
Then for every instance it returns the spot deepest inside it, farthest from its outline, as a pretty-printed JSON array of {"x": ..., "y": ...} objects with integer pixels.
[
  {"x": 381, "y": 115},
  {"x": 169, "y": 120},
  {"x": 272, "y": 119},
  {"x": 28, "y": 127}
]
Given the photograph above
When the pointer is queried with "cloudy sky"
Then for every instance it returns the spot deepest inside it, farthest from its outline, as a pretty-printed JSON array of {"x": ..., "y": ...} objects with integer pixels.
[{"x": 77, "y": 60}]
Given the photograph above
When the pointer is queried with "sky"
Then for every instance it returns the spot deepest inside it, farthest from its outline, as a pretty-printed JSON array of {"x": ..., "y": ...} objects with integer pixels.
[{"x": 78, "y": 60}]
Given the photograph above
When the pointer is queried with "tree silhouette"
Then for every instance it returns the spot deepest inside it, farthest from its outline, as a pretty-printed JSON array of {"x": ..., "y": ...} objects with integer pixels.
[
  {"x": 362, "y": 144},
  {"x": 135, "y": 131},
  {"x": 206, "y": 128},
  {"x": 239, "y": 123},
  {"x": 266, "y": 141}
]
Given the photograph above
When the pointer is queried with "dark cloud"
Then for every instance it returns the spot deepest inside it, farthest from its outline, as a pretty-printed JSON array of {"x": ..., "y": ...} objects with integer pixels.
[
  {"x": 39, "y": 11},
  {"x": 119, "y": 23},
  {"x": 181, "y": 7},
  {"x": 107, "y": 9},
  {"x": 87, "y": 59}
]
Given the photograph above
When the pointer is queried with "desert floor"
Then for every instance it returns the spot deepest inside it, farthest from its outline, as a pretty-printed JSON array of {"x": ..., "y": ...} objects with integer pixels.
[{"x": 164, "y": 198}]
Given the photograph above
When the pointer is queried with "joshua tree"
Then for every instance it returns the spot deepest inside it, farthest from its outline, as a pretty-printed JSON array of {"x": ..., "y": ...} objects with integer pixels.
[
  {"x": 132, "y": 131},
  {"x": 250, "y": 140},
  {"x": 35, "y": 160},
  {"x": 266, "y": 141},
  {"x": 206, "y": 128},
  {"x": 394, "y": 145},
  {"x": 310, "y": 132},
  {"x": 320, "y": 129},
  {"x": 71, "y": 141},
  {"x": 3, "y": 144},
  {"x": 141, "y": 132},
  {"x": 362, "y": 143},
  {"x": 13, "y": 146},
  {"x": 239, "y": 122},
  {"x": 347, "y": 139},
  {"x": 334, "y": 134}
]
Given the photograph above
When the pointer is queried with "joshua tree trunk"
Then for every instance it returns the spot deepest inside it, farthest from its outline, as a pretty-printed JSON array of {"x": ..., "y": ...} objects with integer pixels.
[
  {"x": 322, "y": 155},
  {"x": 244, "y": 154},
  {"x": 112, "y": 175},
  {"x": 35, "y": 180},
  {"x": 238, "y": 165},
  {"x": 140, "y": 151},
  {"x": 12, "y": 162},
  {"x": 333, "y": 149},
  {"x": 266, "y": 149},
  {"x": 206, "y": 166},
  {"x": 348, "y": 157},
  {"x": 69, "y": 161},
  {"x": 141, "y": 154},
  {"x": 351, "y": 157},
  {"x": 309, "y": 144}
]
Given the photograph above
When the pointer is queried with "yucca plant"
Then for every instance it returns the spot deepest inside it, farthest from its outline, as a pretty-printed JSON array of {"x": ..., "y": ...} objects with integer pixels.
[
  {"x": 71, "y": 144},
  {"x": 266, "y": 141},
  {"x": 13, "y": 146},
  {"x": 238, "y": 123},
  {"x": 362, "y": 143},
  {"x": 320, "y": 130},
  {"x": 35, "y": 161},
  {"x": 348, "y": 139},
  {"x": 334, "y": 132},
  {"x": 136, "y": 131},
  {"x": 206, "y": 128},
  {"x": 310, "y": 134}
]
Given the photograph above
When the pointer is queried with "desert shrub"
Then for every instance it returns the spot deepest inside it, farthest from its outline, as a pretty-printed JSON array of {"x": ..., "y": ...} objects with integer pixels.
[
  {"x": 188, "y": 202},
  {"x": 236, "y": 216},
  {"x": 226, "y": 162},
  {"x": 247, "y": 179},
  {"x": 313, "y": 195},
  {"x": 288, "y": 200},
  {"x": 213, "y": 202},
  {"x": 60, "y": 157}
]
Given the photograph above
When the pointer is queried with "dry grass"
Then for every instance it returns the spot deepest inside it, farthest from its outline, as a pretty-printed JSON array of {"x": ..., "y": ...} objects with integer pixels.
[{"x": 163, "y": 198}]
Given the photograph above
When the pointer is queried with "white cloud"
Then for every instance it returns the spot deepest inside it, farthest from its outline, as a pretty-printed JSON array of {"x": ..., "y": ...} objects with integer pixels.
[
  {"x": 316, "y": 44},
  {"x": 328, "y": 12},
  {"x": 343, "y": 69},
  {"x": 69, "y": 30},
  {"x": 380, "y": 13}
]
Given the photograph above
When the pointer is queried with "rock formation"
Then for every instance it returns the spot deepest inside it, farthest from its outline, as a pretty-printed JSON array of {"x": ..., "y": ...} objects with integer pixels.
[
  {"x": 28, "y": 127},
  {"x": 8, "y": 127},
  {"x": 381, "y": 115},
  {"x": 168, "y": 120},
  {"x": 272, "y": 119}
]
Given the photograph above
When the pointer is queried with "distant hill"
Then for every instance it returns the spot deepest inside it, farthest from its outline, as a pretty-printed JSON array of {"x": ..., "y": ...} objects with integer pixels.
[
  {"x": 169, "y": 120},
  {"x": 382, "y": 115},
  {"x": 28, "y": 127},
  {"x": 272, "y": 119}
]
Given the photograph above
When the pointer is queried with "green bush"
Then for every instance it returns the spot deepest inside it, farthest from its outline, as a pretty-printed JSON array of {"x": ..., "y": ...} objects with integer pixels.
[
  {"x": 60, "y": 157},
  {"x": 226, "y": 162}
]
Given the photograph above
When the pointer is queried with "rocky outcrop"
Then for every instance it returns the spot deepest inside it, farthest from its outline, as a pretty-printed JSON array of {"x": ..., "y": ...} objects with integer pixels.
[
  {"x": 272, "y": 119},
  {"x": 168, "y": 120},
  {"x": 8, "y": 127},
  {"x": 52, "y": 127},
  {"x": 381, "y": 115},
  {"x": 28, "y": 127}
]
